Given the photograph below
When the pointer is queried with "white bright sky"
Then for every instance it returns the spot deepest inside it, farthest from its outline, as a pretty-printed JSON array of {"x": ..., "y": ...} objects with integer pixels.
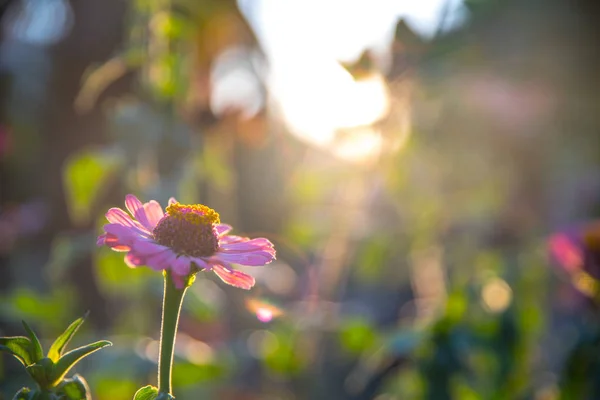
[{"x": 342, "y": 28}]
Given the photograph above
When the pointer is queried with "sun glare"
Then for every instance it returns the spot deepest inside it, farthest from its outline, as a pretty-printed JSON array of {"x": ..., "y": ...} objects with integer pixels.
[
  {"x": 314, "y": 95},
  {"x": 327, "y": 100}
]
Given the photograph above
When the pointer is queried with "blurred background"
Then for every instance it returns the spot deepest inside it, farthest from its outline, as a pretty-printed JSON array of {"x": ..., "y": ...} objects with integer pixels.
[{"x": 409, "y": 159}]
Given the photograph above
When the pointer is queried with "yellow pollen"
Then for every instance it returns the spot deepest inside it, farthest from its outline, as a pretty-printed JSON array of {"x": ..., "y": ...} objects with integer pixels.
[{"x": 197, "y": 214}]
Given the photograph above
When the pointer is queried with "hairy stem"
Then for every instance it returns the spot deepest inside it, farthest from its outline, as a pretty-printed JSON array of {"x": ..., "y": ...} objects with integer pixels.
[{"x": 172, "y": 301}]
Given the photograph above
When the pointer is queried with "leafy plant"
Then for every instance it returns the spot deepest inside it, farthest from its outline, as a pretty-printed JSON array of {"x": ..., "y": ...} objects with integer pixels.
[{"x": 49, "y": 371}]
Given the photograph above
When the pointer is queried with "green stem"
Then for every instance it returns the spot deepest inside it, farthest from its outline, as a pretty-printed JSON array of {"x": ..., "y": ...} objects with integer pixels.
[{"x": 172, "y": 301}]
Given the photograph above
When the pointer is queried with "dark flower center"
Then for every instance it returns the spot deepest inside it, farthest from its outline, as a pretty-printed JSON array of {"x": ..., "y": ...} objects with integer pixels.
[{"x": 188, "y": 230}]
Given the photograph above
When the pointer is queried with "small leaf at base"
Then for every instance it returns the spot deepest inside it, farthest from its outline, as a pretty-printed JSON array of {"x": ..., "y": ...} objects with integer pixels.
[{"x": 146, "y": 393}]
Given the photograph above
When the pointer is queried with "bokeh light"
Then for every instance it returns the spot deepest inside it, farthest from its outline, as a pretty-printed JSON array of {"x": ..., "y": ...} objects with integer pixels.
[
  {"x": 496, "y": 295},
  {"x": 264, "y": 311}
]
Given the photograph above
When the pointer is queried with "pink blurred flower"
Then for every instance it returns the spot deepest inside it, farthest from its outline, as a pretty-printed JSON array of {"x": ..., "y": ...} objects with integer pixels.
[
  {"x": 185, "y": 239},
  {"x": 566, "y": 251},
  {"x": 577, "y": 249}
]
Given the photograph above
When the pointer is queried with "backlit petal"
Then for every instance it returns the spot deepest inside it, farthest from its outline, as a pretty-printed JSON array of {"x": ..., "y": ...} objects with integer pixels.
[
  {"x": 226, "y": 239},
  {"x": 114, "y": 243},
  {"x": 133, "y": 204},
  {"x": 126, "y": 232},
  {"x": 120, "y": 248},
  {"x": 148, "y": 247},
  {"x": 162, "y": 260},
  {"x": 101, "y": 239},
  {"x": 222, "y": 229},
  {"x": 200, "y": 263},
  {"x": 255, "y": 258},
  {"x": 234, "y": 277},
  {"x": 138, "y": 210},
  {"x": 249, "y": 245},
  {"x": 118, "y": 216},
  {"x": 134, "y": 260},
  {"x": 154, "y": 213}
]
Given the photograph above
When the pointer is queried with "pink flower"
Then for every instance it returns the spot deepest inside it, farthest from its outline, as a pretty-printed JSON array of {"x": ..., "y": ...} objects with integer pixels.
[
  {"x": 185, "y": 239},
  {"x": 577, "y": 249}
]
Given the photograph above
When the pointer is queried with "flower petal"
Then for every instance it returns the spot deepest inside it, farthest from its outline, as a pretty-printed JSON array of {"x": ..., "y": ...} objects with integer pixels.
[
  {"x": 136, "y": 208},
  {"x": 226, "y": 239},
  {"x": 101, "y": 240},
  {"x": 146, "y": 247},
  {"x": 222, "y": 229},
  {"x": 173, "y": 200},
  {"x": 234, "y": 277},
  {"x": 178, "y": 281},
  {"x": 133, "y": 204},
  {"x": 113, "y": 242},
  {"x": 147, "y": 214},
  {"x": 248, "y": 245},
  {"x": 254, "y": 258},
  {"x": 181, "y": 265},
  {"x": 200, "y": 263},
  {"x": 120, "y": 248},
  {"x": 118, "y": 216},
  {"x": 134, "y": 260},
  {"x": 162, "y": 260},
  {"x": 154, "y": 213},
  {"x": 125, "y": 234}
]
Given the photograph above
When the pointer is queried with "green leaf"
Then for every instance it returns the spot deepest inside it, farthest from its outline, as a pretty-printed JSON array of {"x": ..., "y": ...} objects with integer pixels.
[
  {"x": 116, "y": 280},
  {"x": 41, "y": 372},
  {"x": 357, "y": 335},
  {"x": 18, "y": 346},
  {"x": 48, "y": 366},
  {"x": 38, "y": 373},
  {"x": 58, "y": 347},
  {"x": 85, "y": 174},
  {"x": 75, "y": 388},
  {"x": 146, "y": 393},
  {"x": 35, "y": 348},
  {"x": 52, "y": 310},
  {"x": 66, "y": 362},
  {"x": 25, "y": 394}
]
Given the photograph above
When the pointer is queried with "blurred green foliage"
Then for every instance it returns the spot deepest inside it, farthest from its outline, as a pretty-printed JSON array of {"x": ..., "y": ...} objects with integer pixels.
[{"x": 85, "y": 174}]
